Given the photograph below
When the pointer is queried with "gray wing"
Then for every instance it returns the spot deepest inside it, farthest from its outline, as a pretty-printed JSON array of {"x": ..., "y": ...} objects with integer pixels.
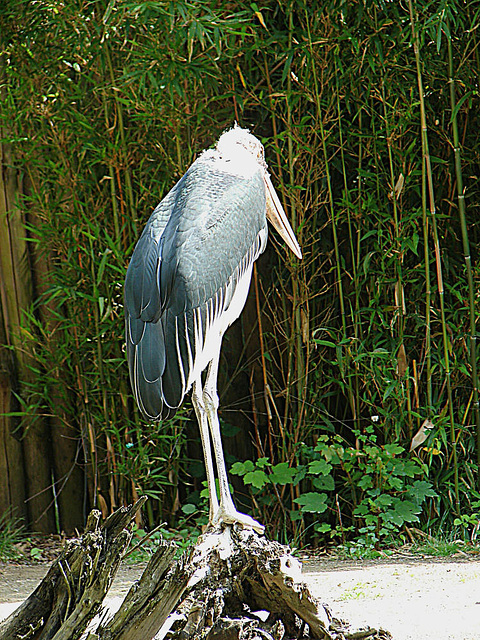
[{"x": 196, "y": 245}]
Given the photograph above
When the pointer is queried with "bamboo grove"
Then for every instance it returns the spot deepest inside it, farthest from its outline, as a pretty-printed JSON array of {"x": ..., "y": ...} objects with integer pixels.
[{"x": 349, "y": 387}]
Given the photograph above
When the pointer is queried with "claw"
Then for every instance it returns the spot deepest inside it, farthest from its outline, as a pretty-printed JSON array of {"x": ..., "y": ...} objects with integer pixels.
[{"x": 231, "y": 516}]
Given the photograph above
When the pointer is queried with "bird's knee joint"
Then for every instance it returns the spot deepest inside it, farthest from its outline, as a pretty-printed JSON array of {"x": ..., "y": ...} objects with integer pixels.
[
  {"x": 210, "y": 399},
  {"x": 198, "y": 400}
]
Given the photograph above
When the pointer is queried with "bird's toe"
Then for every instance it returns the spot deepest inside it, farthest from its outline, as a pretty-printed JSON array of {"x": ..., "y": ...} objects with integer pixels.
[{"x": 233, "y": 516}]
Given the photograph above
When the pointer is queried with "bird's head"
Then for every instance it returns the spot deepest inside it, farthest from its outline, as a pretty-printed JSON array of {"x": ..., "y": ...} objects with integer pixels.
[{"x": 238, "y": 147}]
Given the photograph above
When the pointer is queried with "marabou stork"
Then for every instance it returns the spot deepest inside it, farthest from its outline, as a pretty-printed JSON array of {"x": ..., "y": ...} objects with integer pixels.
[{"x": 188, "y": 280}]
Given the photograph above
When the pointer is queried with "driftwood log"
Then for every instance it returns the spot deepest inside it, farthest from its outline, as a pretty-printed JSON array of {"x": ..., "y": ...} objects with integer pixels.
[{"x": 233, "y": 585}]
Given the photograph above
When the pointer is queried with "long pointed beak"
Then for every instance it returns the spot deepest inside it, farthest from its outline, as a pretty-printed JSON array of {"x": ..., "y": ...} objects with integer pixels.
[{"x": 277, "y": 216}]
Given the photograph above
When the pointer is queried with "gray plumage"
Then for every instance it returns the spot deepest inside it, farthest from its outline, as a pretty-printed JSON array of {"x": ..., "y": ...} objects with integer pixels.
[{"x": 188, "y": 261}]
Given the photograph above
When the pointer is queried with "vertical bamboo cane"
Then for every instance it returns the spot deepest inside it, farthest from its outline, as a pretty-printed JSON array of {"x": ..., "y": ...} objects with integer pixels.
[
  {"x": 301, "y": 373},
  {"x": 355, "y": 253},
  {"x": 334, "y": 219},
  {"x": 466, "y": 252},
  {"x": 441, "y": 291}
]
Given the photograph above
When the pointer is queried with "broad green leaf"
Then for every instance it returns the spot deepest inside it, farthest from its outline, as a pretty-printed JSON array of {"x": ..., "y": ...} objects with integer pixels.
[
  {"x": 229, "y": 430},
  {"x": 295, "y": 515},
  {"x": 320, "y": 467},
  {"x": 312, "y": 502},
  {"x": 282, "y": 473},
  {"x": 365, "y": 482},
  {"x": 256, "y": 478},
  {"x": 263, "y": 462},
  {"x": 324, "y": 483},
  {"x": 403, "y": 511},
  {"x": 189, "y": 508},
  {"x": 393, "y": 449},
  {"x": 384, "y": 500},
  {"x": 241, "y": 468},
  {"x": 420, "y": 490}
]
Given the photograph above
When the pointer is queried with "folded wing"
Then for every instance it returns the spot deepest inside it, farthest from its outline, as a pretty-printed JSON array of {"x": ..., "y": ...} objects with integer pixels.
[{"x": 197, "y": 246}]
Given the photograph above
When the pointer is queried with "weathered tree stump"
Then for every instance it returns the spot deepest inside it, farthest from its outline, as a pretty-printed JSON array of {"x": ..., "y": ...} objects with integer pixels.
[
  {"x": 236, "y": 585},
  {"x": 233, "y": 585},
  {"x": 74, "y": 588}
]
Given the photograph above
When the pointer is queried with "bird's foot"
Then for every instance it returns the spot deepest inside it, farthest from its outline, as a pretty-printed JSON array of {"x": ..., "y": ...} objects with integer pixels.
[{"x": 232, "y": 516}]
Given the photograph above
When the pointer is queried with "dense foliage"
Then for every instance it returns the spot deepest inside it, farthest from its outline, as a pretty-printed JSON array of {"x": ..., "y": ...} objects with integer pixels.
[{"x": 369, "y": 114}]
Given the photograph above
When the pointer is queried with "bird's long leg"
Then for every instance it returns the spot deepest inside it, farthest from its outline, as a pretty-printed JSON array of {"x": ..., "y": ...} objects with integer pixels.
[
  {"x": 199, "y": 406},
  {"x": 227, "y": 512}
]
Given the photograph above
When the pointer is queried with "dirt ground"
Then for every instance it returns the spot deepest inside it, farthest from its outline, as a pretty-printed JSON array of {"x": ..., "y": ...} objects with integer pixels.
[{"x": 414, "y": 599}]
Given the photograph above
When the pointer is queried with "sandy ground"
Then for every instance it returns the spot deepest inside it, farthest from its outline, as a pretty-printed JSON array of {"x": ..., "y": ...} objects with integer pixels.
[
  {"x": 413, "y": 599},
  {"x": 426, "y": 600}
]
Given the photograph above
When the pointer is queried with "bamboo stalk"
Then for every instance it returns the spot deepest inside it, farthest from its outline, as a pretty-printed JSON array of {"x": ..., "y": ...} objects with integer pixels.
[
  {"x": 436, "y": 242},
  {"x": 355, "y": 260},
  {"x": 428, "y": 292},
  {"x": 399, "y": 306},
  {"x": 301, "y": 372},
  {"x": 334, "y": 219},
  {"x": 291, "y": 337},
  {"x": 264, "y": 366},
  {"x": 466, "y": 252},
  {"x": 121, "y": 128}
]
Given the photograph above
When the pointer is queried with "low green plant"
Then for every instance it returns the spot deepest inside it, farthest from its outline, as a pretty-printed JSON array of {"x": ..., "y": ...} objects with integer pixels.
[
  {"x": 11, "y": 532},
  {"x": 359, "y": 549},
  {"x": 439, "y": 547},
  {"x": 469, "y": 523},
  {"x": 36, "y": 554},
  {"x": 381, "y": 488}
]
